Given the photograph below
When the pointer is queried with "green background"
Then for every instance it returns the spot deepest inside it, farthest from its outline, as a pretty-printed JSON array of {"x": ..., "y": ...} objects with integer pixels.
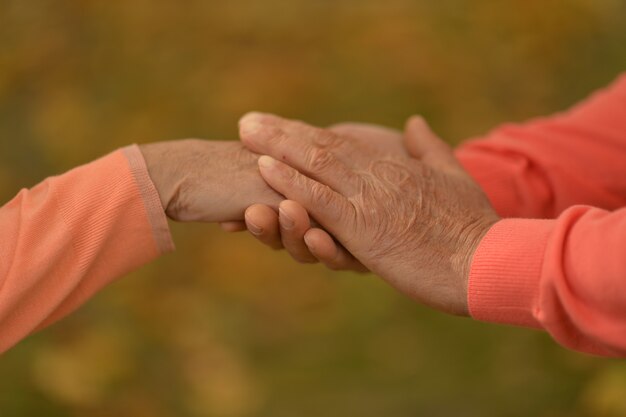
[{"x": 225, "y": 327}]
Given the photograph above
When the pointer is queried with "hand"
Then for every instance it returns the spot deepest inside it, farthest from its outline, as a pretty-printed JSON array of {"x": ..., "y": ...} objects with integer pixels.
[
  {"x": 291, "y": 229},
  {"x": 416, "y": 223},
  {"x": 208, "y": 181}
]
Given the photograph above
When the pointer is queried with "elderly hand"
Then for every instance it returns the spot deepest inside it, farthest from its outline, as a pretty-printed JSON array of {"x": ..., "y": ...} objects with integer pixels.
[
  {"x": 416, "y": 223},
  {"x": 291, "y": 225},
  {"x": 208, "y": 181}
]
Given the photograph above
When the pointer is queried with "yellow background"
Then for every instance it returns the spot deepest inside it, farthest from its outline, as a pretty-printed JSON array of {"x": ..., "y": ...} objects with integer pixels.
[{"x": 225, "y": 327}]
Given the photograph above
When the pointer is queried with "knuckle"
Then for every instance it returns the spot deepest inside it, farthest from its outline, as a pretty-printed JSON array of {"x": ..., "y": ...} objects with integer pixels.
[
  {"x": 346, "y": 130},
  {"x": 291, "y": 176},
  {"x": 339, "y": 127},
  {"x": 327, "y": 139},
  {"x": 276, "y": 135},
  {"x": 320, "y": 160},
  {"x": 322, "y": 194}
]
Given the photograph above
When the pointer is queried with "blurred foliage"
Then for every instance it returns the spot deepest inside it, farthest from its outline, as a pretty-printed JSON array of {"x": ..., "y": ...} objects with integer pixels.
[{"x": 224, "y": 327}]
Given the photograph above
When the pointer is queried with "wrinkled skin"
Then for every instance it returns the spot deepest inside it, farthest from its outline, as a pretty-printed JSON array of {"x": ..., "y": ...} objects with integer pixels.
[
  {"x": 414, "y": 222},
  {"x": 291, "y": 227},
  {"x": 207, "y": 181}
]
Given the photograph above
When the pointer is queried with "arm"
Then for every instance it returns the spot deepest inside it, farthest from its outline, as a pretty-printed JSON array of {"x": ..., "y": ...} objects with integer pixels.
[
  {"x": 533, "y": 170},
  {"x": 71, "y": 235},
  {"x": 540, "y": 168},
  {"x": 567, "y": 276}
]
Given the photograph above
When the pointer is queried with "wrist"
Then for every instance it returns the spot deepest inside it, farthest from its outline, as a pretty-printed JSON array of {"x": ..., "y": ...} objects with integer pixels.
[
  {"x": 470, "y": 240},
  {"x": 157, "y": 156}
]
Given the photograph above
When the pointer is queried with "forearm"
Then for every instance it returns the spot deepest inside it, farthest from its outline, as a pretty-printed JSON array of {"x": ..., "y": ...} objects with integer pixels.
[
  {"x": 540, "y": 168},
  {"x": 566, "y": 276},
  {"x": 71, "y": 235}
]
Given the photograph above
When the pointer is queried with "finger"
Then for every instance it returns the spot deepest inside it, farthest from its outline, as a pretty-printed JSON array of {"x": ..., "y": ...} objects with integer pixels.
[
  {"x": 233, "y": 226},
  {"x": 424, "y": 144},
  {"x": 364, "y": 130},
  {"x": 330, "y": 253},
  {"x": 379, "y": 140},
  {"x": 331, "y": 209},
  {"x": 262, "y": 223},
  {"x": 294, "y": 222},
  {"x": 304, "y": 147}
]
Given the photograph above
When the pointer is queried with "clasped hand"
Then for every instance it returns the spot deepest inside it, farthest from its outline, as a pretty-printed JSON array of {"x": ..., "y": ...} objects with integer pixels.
[{"x": 398, "y": 205}]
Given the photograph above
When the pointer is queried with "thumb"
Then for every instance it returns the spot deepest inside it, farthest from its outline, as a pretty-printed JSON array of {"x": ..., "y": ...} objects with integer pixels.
[{"x": 422, "y": 143}]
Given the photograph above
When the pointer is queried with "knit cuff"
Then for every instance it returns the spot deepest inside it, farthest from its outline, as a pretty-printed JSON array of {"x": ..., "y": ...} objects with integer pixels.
[
  {"x": 152, "y": 201},
  {"x": 506, "y": 270}
]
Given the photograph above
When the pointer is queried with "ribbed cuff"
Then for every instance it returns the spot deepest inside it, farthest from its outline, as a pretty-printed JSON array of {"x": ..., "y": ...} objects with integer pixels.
[
  {"x": 151, "y": 199},
  {"x": 506, "y": 270}
]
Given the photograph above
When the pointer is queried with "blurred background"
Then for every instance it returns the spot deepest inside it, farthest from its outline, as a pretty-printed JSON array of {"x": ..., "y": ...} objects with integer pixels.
[{"x": 225, "y": 327}]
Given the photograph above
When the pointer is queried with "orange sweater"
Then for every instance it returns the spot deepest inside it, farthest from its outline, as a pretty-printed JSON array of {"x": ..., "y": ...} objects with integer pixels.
[
  {"x": 71, "y": 235},
  {"x": 567, "y": 274}
]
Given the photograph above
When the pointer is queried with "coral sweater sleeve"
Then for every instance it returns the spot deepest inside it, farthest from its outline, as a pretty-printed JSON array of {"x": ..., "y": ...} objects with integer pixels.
[
  {"x": 71, "y": 235},
  {"x": 557, "y": 260}
]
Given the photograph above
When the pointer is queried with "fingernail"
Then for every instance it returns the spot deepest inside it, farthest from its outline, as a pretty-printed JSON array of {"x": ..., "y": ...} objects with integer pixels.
[
  {"x": 253, "y": 228},
  {"x": 285, "y": 221},
  {"x": 308, "y": 242},
  {"x": 267, "y": 162},
  {"x": 251, "y": 128},
  {"x": 250, "y": 121},
  {"x": 251, "y": 115},
  {"x": 256, "y": 126}
]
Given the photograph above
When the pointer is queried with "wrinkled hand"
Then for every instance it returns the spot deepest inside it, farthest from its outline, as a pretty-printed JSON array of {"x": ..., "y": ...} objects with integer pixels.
[
  {"x": 208, "y": 181},
  {"x": 291, "y": 229},
  {"x": 416, "y": 223}
]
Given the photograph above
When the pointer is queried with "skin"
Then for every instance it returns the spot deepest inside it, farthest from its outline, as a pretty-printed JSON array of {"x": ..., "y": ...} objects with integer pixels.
[
  {"x": 206, "y": 181},
  {"x": 291, "y": 227},
  {"x": 414, "y": 222},
  {"x": 305, "y": 242}
]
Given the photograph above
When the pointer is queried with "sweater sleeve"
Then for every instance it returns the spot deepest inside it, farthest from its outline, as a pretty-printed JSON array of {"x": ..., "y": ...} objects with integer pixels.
[
  {"x": 540, "y": 168},
  {"x": 71, "y": 235},
  {"x": 567, "y": 276}
]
